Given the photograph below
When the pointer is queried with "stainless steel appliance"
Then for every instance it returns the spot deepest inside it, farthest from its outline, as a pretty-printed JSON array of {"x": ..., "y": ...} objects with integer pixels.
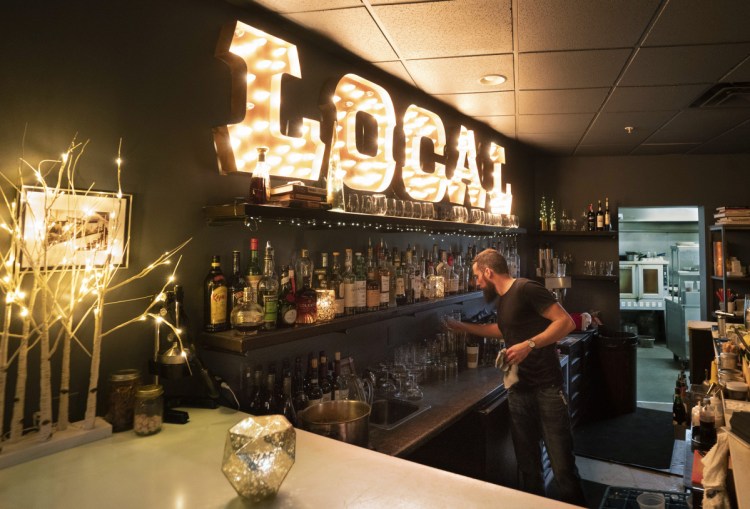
[
  {"x": 683, "y": 301},
  {"x": 642, "y": 284}
]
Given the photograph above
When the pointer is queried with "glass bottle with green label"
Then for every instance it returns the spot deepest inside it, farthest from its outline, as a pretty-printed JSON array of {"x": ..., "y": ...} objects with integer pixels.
[{"x": 268, "y": 291}]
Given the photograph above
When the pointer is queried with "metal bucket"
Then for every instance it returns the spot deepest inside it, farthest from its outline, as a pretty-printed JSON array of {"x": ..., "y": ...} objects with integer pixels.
[{"x": 344, "y": 420}]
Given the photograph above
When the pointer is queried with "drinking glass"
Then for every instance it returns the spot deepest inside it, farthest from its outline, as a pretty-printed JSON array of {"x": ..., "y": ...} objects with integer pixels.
[
  {"x": 352, "y": 203},
  {"x": 408, "y": 208},
  {"x": 610, "y": 268},
  {"x": 379, "y": 204},
  {"x": 367, "y": 204},
  {"x": 391, "y": 207},
  {"x": 417, "y": 210},
  {"x": 513, "y": 221},
  {"x": 428, "y": 211},
  {"x": 399, "y": 208}
]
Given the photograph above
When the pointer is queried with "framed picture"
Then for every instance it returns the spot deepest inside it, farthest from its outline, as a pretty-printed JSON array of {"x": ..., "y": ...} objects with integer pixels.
[{"x": 67, "y": 228}]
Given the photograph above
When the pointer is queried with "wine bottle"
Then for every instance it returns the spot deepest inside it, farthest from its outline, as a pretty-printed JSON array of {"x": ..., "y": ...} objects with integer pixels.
[
  {"x": 268, "y": 291},
  {"x": 607, "y": 216},
  {"x": 336, "y": 283},
  {"x": 372, "y": 289},
  {"x": 256, "y": 405},
  {"x": 260, "y": 182},
  {"x": 215, "y": 290},
  {"x": 350, "y": 293},
  {"x": 270, "y": 402},
  {"x": 299, "y": 398},
  {"x": 314, "y": 394},
  {"x": 360, "y": 283},
  {"x": 326, "y": 387},
  {"x": 287, "y": 403},
  {"x": 591, "y": 218},
  {"x": 340, "y": 386},
  {"x": 320, "y": 273},
  {"x": 600, "y": 217},
  {"x": 400, "y": 284}
]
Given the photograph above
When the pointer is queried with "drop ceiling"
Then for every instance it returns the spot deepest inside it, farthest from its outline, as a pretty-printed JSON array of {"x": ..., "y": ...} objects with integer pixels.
[{"x": 578, "y": 71}]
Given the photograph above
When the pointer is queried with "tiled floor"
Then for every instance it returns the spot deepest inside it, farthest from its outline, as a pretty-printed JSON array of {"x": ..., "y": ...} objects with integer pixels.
[{"x": 656, "y": 375}]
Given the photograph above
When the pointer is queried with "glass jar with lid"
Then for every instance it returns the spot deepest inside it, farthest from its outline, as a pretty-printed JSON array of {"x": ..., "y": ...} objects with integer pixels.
[
  {"x": 122, "y": 389},
  {"x": 149, "y": 410}
]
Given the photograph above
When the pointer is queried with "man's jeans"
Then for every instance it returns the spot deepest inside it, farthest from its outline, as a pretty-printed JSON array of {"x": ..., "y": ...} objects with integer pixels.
[{"x": 538, "y": 414}]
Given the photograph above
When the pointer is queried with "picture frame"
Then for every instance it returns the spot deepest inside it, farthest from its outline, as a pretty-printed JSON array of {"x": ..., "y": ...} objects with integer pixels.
[{"x": 63, "y": 228}]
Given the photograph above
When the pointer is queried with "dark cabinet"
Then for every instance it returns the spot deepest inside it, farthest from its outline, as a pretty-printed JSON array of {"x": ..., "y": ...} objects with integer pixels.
[{"x": 727, "y": 243}]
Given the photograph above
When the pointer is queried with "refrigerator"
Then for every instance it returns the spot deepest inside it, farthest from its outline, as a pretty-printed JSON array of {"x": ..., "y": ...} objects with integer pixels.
[{"x": 683, "y": 296}]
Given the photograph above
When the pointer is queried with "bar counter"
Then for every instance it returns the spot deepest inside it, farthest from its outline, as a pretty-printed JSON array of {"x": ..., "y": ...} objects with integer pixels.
[{"x": 180, "y": 467}]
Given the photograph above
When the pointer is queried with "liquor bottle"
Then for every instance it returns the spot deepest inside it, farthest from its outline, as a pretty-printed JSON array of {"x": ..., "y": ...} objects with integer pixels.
[
  {"x": 407, "y": 272},
  {"x": 256, "y": 405},
  {"x": 350, "y": 294},
  {"x": 600, "y": 217},
  {"x": 299, "y": 398},
  {"x": 336, "y": 283},
  {"x": 383, "y": 275},
  {"x": 427, "y": 290},
  {"x": 320, "y": 273},
  {"x": 335, "y": 178},
  {"x": 415, "y": 278},
  {"x": 326, "y": 387},
  {"x": 270, "y": 402},
  {"x": 400, "y": 284},
  {"x": 307, "y": 299},
  {"x": 287, "y": 402},
  {"x": 287, "y": 299},
  {"x": 236, "y": 282},
  {"x": 215, "y": 291},
  {"x": 314, "y": 393},
  {"x": 250, "y": 385},
  {"x": 452, "y": 280},
  {"x": 372, "y": 289},
  {"x": 360, "y": 283},
  {"x": 543, "y": 225},
  {"x": 260, "y": 182},
  {"x": 708, "y": 425},
  {"x": 607, "y": 216},
  {"x": 254, "y": 271},
  {"x": 340, "y": 385},
  {"x": 247, "y": 315},
  {"x": 679, "y": 414},
  {"x": 391, "y": 268},
  {"x": 591, "y": 218},
  {"x": 268, "y": 291}
]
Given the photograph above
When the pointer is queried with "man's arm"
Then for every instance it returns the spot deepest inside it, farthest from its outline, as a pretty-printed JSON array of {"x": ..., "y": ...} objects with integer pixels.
[
  {"x": 488, "y": 330},
  {"x": 561, "y": 324}
]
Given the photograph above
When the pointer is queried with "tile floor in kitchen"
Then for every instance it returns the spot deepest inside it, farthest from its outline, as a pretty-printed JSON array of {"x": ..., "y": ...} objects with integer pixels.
[{"x": 656, "y": 375}]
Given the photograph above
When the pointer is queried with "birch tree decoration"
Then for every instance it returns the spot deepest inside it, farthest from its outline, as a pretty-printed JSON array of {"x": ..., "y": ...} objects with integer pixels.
[{"x": 62, "y": 249}]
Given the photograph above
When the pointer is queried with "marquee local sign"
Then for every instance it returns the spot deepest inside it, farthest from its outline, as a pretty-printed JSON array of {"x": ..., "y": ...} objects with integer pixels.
[{"x": 258, "y": 62}]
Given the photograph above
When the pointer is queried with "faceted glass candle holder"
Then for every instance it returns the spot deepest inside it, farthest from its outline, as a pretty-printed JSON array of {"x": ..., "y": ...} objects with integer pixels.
[
  {"x": 258, "y": 454},
  {"x": 326, "y": 305}
]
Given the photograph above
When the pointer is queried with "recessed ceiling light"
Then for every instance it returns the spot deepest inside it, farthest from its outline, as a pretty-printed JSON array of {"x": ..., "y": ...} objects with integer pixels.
[{"x": 492, "y": 79}]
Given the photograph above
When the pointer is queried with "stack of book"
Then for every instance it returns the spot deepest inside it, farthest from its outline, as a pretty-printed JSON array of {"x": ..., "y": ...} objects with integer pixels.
[
  {"x": 732, "y": 215},
  {"x": 299, "y": 196}
]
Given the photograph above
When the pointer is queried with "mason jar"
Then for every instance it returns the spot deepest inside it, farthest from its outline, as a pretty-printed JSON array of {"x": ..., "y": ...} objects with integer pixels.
[
  {"x": 149, "y": 409},
  {"x": 122, "y": 389}
]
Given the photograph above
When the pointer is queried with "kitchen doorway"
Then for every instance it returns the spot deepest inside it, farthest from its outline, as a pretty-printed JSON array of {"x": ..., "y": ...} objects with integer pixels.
[{"x": 660, "y": 291}]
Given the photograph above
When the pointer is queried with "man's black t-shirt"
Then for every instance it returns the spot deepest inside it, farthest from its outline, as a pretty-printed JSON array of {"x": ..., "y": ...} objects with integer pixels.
[{"x": 519, "y": 317}]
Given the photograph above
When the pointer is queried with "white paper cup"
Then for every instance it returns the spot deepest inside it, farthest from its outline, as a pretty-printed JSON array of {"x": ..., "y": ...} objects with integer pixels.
[
  {"x": 472, "y": 356},
  {"x": 650, "y": 501}
]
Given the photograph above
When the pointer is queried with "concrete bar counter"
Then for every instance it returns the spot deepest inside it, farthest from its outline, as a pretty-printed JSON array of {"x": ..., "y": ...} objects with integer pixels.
[{"x": 181, "y": 468}]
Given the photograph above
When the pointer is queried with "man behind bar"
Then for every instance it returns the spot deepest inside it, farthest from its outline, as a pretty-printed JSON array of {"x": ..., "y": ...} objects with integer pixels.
[{"x": 531, "y": 321}]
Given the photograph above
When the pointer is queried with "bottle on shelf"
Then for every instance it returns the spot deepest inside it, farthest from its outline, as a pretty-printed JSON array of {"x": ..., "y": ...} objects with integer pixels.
[
  {"x": 360, "y": 283},
  {"x": 552, "y": 221},
  {"x": 349, "y": 279},
  {"x": 260, "y": 182},
  {"x": 708, "y": 425},
  {"x": 400, "y": 284},
  {"x": 268, "y": 291},
  {"x": 384, "y": 276},
  {"x": 254, "y": 270},
  {"x": 236, "y": 282},
  {"x": 287, "y": 299},
  {"x": 320, "y": 273},
  {"x": 307, "y": 299},
  {"x": 247, "y": 316},
  {"x": 250, "y": 385},
  {"x": 591, "y": 218},
  {"x": 543, "y": 226},
  {"x": 412, "y": 280},
  {"x": 340, "y": 385},
  {"x": 373, "y": 289},
  {"x": 336, "y": 283},
  {"x": 326, "y": 387},
  {"x": 607, "y": 216},
  {"x": 287, "y": 402},
  {"x": 679, "y": 413},
  {"x": 314, "y": 393},
  {"x": 299, "y": 396},
  {"x": 270, "y": 402},
  {"x": 215, "y": 290},
  {"x": 600, "y": 217},
  {"x": 256, "y": 405}
]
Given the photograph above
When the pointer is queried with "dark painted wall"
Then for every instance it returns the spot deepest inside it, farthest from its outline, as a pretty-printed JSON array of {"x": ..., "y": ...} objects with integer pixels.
[{"x": 145, "y": 72}]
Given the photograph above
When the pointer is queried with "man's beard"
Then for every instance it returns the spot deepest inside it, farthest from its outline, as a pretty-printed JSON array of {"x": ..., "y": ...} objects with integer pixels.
[{"x": 489, "y": 291}]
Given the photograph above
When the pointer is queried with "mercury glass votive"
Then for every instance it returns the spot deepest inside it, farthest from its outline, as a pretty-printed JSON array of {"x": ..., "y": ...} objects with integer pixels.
[
  {"x": 258, "y": 454},
  {"x": 326, "y": 305}
]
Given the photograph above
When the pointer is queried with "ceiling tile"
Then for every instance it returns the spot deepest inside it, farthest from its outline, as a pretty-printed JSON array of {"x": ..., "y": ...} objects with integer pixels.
[
  {"x": 558, "y": 139},
  {"x": 440, "y": 76},
  {"x": 731, "y": 142},
  {"x": 661, "y": 98},
  {"x": 396, "y": 69},
  {"x": 570, "y": 69},
  {"x": 603, "y": 150},
  {"x": 566, "y": 25},
  {"x": 354, "y": 29},
  {"x": 574, "y": 124},
  {"x": 505, "y": 124},
  {"x": 699, "y": 22},
  {"x": 646, "y": 149},
  {"x": 699, "y": 125},
  {"x": 487, "y": 103},
  {"x": 583, "y": 100},
  {"x": 683, "y": 64},
  {"x": 287, "y": 6},
  {"x": 439, "y": 29},
  {"x": 740, "y": 74},
  {"x": 609, "y": 128}
]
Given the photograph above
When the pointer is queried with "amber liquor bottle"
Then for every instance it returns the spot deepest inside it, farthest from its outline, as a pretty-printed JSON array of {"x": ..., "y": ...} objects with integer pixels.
[{"x": 215, "y": 298}]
